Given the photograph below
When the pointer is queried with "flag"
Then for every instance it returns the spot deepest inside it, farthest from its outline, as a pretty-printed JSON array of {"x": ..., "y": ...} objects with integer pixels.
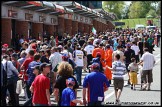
[{"x": 94, "y": 31}]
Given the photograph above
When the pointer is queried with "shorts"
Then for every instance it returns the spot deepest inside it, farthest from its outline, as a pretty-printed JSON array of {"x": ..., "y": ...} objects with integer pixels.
[
  {"x": 146, "y": 75},
  {"x": 133, "y": 78},
  {"x": 118, "y": 83}
]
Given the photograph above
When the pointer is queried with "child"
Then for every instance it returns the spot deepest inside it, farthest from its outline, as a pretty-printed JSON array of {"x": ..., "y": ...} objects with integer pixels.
[
  {"x": 133, "y": 67},
  {"x": 68, "y": 94}
]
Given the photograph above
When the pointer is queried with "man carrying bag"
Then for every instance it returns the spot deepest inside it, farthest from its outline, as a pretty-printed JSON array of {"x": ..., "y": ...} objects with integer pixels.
[{"x": 12, "y": 77}]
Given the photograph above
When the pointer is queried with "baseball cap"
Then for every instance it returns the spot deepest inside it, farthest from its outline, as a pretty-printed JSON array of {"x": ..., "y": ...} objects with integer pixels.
[
  {"x": 65, "y": 56},
  {"x": 98, "y": 54},
  {"x": 43, "y": 65},
  {"x": 5, "y": 45},
  {"x": 36, "y": 67},
  {"x": 128, "y": 45},
  {"x": 95, "y": 65},
  {"x": 70, "y": 81}
]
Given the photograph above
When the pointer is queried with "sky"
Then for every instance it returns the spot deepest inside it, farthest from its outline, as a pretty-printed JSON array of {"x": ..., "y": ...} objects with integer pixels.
[{"x": 128, "y": 2}]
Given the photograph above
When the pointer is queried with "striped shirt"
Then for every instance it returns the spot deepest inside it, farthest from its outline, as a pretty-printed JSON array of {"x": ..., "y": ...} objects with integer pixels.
[
  {"x": 148, "y": 61},
  {"x": 119, "y": 69}
]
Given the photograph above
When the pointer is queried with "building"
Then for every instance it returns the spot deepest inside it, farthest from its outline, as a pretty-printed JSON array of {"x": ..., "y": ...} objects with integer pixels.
[{"x": 41, "y": 18}]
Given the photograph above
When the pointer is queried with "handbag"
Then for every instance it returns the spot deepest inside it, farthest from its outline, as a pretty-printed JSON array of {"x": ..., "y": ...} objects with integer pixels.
[{"x": 13, "y": 79}]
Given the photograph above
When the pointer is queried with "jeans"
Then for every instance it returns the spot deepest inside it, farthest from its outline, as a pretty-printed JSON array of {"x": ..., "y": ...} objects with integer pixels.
[
  {"x": 79, "y": 74},
  {"x": 12, "y": 90}
]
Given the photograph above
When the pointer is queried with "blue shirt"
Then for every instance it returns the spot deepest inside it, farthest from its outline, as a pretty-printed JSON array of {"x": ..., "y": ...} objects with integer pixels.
[
  {"x": 68, "y": 95},
  {"x": 95, "y": 82},
  {"x": 31, "y": 76}
]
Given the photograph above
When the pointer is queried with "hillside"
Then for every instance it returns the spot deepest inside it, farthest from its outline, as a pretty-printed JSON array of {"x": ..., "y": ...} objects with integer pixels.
[{"x": 132, "y": 22}]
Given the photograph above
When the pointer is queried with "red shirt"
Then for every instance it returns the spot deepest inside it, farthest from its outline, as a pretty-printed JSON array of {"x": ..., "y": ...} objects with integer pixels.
[
  {"x": 40, "y": 84},
  {"x": 25, "y": 64}
]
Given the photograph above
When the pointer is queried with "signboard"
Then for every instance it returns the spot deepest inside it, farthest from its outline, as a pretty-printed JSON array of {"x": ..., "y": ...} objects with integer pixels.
[
  {"x": 12, "y": 13},
  {"x": 28, "y": 16},
  {"x": 53, "y": 21},
  {"x": 69, "y": 16},
  {"x": 76, "y": 17},
  {"x": 81, "y": 18},
  {"x": 86, "y": 20},
  {"x": 42, "y": 18}
]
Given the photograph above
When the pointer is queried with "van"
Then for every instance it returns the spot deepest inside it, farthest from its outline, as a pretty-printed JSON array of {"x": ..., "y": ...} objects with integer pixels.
[
  {"x": 149, "y": 28},
  {"x": 139, "y": 27}
]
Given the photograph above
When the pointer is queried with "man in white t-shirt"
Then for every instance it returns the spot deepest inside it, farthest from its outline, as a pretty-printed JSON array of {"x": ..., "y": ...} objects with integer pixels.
[
  {"x": 88, "y": 49},
  {"x": 148, "y": 61},
  {"x": 136, "y": 50},
  {"x": 78, "y": 58}
]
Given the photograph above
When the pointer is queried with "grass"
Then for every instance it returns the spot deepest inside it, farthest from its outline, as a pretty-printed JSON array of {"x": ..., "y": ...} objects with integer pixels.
[{"x": 132, "y": 22}]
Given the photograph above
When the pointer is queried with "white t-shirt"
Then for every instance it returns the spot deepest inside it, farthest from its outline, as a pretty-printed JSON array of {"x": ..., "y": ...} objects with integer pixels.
[
  {"x": 136, "y": 49},
  {"x": 79, "y": 58},
  {"x": 148, "y": 61},
  {"x": 89, "y": 49}
]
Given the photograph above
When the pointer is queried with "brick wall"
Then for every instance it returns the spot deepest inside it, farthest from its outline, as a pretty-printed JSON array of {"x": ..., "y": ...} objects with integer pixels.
[
  {"x": 86, "y": 28},
  {"x": 6, "y": 31},
  {"x": 61, "y": 26},
  {"x": 37, "y": 28},
  {"x": 68, "y": 26},
  {"x": 81, "y": 27},
  {"x": 50, "y": 29},
  {"x": 74, "y": 27},
  {"x": 22, "y": 28}
]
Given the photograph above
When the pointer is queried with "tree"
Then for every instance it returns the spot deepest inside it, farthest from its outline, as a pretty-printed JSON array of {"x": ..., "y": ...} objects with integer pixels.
[
  {"x": 114, "y": 7},
  {"x": 136, "y": 10},
  {"x": 152, "y": 12}
]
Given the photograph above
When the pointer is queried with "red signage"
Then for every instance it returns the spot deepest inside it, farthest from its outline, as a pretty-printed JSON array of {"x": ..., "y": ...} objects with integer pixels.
[{"x": 12, "y": 13}]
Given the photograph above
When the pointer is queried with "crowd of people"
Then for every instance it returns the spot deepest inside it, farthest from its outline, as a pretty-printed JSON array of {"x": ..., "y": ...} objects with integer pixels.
[{"x": 54, "y": 66}]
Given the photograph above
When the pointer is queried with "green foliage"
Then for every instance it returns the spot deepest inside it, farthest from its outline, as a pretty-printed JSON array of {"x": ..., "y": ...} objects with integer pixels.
[
  {"x": 152, "y": 13},
  {"x": 137, "y": 10},
  {"x": 114, "y": 7}
]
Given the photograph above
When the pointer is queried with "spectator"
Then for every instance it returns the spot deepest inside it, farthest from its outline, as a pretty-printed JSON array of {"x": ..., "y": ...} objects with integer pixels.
[
  {"x": 136, "y": 50},
  {"x": 78, "y": 58},
  {"x": 148, "y": 61},
  {"x": 118, "y": 68},
  {"x": 11, "y": 85},
  {"x": 65, "y": 71},
  {"x": 96, "y": 89},
  {"x": 133, "y": 67},
  {"x": 40, "y": 87},
  {"x": 68, "y": 94}
]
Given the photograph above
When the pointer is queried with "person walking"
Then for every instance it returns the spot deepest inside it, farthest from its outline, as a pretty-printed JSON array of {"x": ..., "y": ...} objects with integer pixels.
[
  {"x": 40, "y": 87},
  {"x": 78, "y": 58},
  {"x": 148, "y": 61},
  {"x": 65, "y": 71},
  {"x": 118, "y": 68},
  {"x": 96, "y": 83},
  {"x": 68, "y": 94},
  {"x": 133, "y": 67}
]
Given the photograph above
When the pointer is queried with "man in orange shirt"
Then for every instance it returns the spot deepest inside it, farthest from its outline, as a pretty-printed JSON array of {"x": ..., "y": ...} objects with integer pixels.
[
  {"x": 108, "y": 62},
  {"x": 99, "y": 49}
]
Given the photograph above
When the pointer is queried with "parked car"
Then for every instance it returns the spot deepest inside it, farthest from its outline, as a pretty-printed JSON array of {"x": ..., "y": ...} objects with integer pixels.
[{"x": 139, "y": 27}]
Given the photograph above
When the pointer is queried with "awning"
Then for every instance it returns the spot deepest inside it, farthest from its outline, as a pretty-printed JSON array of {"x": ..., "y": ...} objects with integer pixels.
[{"x": 78, "y": 9}]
